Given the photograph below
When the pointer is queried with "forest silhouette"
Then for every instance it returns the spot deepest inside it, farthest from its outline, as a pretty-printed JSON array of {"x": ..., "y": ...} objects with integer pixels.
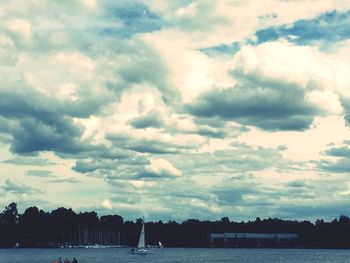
[{"x": 64, "y": 227}]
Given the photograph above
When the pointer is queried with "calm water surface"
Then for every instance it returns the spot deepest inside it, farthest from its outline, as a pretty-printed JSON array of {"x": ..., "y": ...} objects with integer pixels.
[{"x": 176, "y": 255}]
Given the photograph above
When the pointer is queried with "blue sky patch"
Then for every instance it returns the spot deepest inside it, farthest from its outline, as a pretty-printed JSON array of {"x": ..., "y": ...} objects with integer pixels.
[
  {"x": 134, "y": 18},
  {"x": 328, "y": 27},
  {"x": 223, "y": 49}
]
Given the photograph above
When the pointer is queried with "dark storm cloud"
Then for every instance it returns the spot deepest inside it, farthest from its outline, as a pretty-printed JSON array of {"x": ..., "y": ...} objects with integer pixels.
[
  {"x": 341, "y": 165},
  {"x": 342, "y": 162},
  {"x": 152, "y": 119},
  {"x": 4, "y": 126},
  {"x": 25, "y": 102},
  {"x": 38, "y": 123},
  {"x": 343, "y": 151},
  {"x": 213, "y": 133},
  {"x": 62, "y": 137},
  {"x": 269, "y": 105},
  {"x": 15, "y": 187},
  {"x": 58, "y": 135}
]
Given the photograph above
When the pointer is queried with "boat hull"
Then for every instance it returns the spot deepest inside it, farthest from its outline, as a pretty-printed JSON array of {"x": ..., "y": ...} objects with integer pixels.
[{"x": 139, "y": 251}]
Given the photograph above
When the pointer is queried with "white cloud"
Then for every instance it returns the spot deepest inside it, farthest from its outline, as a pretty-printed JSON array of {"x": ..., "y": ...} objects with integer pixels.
[
  {"x": 302, "y": 146},
  {"x": 77, "y": 60},
  {"x": 68, "y": 91},
  {"x": 21, "y": 27},
  {"x": 5, "y": 42},
  {"x": 107, "y": 204},
  {"x": 327, "y": 100},
  {"x": 59, "y": 38},
  {"x": 319, "y": 74},
  {"x": 15, "y": 187},
  {"x": 162, "y": 168},
  {"x": 190, "y": 70},
  {"x": 91, "y": 4}
]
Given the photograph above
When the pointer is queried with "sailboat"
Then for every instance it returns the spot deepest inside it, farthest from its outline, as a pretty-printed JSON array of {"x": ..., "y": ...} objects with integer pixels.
[{"x": 141, "y": 245}]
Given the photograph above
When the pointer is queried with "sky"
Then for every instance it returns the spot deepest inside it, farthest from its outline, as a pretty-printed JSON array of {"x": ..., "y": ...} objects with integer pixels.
[{"x": 176, "y": 109}]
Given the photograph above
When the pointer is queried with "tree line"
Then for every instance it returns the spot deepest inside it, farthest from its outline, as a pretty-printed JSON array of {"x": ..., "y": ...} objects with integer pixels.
[{"x": 64, "y": 227}]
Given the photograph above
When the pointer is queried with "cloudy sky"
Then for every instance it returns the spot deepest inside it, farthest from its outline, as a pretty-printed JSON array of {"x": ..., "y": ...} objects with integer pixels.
[{"x": 176, "y": 109}]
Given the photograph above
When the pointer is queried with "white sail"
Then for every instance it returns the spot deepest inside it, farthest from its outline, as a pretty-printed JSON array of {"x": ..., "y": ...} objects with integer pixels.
[{"x": 141, "y": 243}]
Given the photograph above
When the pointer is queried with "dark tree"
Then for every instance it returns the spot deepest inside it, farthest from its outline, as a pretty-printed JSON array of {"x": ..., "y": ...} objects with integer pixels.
[
  {"x": 64, "y": 227},
  {"x": 9, "y": 226}
]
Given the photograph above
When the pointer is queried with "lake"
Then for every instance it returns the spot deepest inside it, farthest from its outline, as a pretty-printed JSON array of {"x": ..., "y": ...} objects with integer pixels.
[{"x": 176, "y": 255}]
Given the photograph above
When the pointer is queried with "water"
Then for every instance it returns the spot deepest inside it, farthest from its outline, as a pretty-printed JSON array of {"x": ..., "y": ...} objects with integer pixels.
[{"x": 177, "y": 255}]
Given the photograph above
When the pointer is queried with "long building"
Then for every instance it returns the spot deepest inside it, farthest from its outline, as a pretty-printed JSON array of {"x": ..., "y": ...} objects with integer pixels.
[{"x": 253, "y": 240}]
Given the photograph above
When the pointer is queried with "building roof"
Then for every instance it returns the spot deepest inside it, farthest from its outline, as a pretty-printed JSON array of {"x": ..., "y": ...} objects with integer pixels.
[{"x": 254, "y": 235}]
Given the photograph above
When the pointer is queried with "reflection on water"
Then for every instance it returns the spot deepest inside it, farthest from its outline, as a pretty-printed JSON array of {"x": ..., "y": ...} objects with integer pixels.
[{"x": 177, "y": 255}]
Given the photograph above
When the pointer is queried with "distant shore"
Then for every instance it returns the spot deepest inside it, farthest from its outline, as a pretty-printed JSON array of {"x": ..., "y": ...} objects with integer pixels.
[{"x": 64, "y": 228}]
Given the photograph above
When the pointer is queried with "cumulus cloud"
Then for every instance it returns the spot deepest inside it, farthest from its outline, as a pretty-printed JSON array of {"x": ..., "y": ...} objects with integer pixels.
[
  {"x": 275, "y": 97},
  {"x": 185, "y": 103},
  {"x": 15, "y": 187},
  {"x": 152, "y": 119},
  {"x": 268, "y": 106},
  {"x": 335, "y": 159},
  {"x": 160, "y": 168}
]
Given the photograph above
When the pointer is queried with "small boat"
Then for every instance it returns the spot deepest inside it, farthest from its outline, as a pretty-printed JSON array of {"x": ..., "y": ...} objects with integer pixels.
[
  {"x": 160, "y": 245},
  {"x": 141, "y": 248}
]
